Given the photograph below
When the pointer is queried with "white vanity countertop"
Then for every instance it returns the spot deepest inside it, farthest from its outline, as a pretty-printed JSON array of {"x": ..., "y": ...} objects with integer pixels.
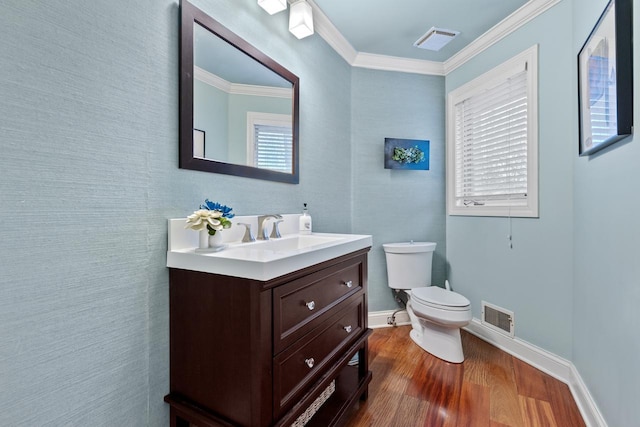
[{"x": 260, "y": 260}]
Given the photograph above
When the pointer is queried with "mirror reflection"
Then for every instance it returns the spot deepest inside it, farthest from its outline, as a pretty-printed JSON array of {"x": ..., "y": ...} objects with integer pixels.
[
  {"x": 241, "y": 109},
  {"x": 238, "y": 107}
]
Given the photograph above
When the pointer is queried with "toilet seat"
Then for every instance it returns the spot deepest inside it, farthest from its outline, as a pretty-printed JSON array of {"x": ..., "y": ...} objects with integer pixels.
[{"x": 442, "y": 299}]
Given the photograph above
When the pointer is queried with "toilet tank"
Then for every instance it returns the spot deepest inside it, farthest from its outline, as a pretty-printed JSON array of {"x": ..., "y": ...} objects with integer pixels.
[{"x": 409, "y": 264}]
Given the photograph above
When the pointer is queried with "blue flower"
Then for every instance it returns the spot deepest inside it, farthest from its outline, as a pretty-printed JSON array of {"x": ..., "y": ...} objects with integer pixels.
[{"x": 215, "y": 206}]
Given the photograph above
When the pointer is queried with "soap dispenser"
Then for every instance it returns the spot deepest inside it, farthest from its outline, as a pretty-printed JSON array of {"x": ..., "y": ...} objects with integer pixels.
[{"x": 305, "y": 221}]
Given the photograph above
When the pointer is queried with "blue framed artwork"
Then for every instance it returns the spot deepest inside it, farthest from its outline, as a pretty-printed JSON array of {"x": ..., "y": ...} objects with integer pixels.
[{"x": 409, "y": 154}]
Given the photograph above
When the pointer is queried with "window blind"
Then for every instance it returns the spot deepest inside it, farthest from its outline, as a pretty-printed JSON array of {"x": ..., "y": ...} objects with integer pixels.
[
  {"x": 273, "y": 147},
  {"x": 602, "y": 103},
  {"x": 491, "y": 145}
]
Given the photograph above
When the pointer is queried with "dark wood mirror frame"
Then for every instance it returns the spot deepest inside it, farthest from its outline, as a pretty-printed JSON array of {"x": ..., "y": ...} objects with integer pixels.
[{"x": 190, "y": 16}]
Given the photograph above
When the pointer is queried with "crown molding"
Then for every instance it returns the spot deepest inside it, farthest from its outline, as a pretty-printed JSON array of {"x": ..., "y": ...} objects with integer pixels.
[
  {"x": 508, "y": 25},
  {"x": 254, "y": 90},
  {"x": 394, "y": 63},
  {"x": 211, "y": 79},
  {"x": 325, "y": 28},
  {"x": 239, "y": 89}
]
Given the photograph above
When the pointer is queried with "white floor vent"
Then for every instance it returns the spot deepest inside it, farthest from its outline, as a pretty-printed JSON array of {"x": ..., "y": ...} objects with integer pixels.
[{"x": 497, "y": 318}]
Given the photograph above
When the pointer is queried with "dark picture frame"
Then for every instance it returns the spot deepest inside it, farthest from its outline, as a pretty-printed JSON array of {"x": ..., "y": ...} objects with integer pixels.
[{"x": 605, "y": 80}]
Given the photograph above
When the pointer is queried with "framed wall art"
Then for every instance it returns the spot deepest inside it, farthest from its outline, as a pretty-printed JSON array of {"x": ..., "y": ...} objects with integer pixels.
[
  {"x": 412, "y": 154},
  {"x": 605, "y": 80}
]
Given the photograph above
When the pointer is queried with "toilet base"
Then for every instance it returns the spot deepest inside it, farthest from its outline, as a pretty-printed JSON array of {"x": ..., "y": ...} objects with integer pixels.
[{"x": 444, "y": 343}]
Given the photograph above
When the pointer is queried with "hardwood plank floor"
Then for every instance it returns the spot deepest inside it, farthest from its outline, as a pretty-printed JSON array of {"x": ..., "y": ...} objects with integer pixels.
[{"x": 491, "y": 388}]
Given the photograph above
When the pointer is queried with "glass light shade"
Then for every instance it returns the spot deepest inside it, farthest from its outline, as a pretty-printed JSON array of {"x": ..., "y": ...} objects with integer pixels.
[
  {"x": 301, "y": 19},
  {"x": 273, "y": 6}
]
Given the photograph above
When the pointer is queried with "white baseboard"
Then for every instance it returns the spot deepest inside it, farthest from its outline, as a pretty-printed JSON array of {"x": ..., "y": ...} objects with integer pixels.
[
  {"x": 537, "y": 357},
  {"x": 548, "y": 362},
  {"x": 378, "y": 319},
  {"x": 588, "y": 408}
]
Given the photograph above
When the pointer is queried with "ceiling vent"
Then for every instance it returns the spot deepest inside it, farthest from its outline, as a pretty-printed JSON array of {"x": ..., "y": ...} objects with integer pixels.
[{"x": 435, "y": 38}]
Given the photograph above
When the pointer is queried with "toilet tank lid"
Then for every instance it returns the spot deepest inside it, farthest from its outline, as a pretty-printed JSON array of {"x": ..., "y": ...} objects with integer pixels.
[{"x": 409, "y": 247}]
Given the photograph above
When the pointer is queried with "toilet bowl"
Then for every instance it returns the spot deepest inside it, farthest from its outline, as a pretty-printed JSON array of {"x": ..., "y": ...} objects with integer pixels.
[{"x": 436, "y": 314}]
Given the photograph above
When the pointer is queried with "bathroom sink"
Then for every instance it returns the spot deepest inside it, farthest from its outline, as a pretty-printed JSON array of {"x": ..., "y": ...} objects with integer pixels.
[
  {"x": 266, "y": 260},
  {"x": 292, "y": 243},
  {"x": 276, "y": 249}
]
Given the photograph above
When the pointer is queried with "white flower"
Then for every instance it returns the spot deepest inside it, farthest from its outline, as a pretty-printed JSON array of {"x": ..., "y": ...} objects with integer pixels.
[{"x": 201, "y": 218}]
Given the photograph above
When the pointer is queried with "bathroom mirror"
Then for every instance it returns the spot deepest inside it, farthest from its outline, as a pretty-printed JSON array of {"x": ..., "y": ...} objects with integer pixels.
[{"x": 238, "y": 107}]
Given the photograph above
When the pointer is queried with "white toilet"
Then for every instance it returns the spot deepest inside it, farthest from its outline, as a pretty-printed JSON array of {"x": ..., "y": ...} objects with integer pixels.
[{"x": 436, "y": 314}]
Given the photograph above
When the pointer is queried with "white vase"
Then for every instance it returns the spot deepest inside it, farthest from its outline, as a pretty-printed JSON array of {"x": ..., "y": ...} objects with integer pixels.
[
  {"x": 215, "y": 240},
  {"x": 203, "y": 242}
]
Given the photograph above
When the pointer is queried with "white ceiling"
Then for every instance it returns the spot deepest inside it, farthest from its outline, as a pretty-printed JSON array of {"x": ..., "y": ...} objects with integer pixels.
[{"x": 380, "y": 34}]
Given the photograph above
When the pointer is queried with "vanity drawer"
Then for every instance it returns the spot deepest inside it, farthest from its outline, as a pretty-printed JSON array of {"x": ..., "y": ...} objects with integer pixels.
[
  {"x": 300, "y": 364},
  {"x": 302, "y": 304}
]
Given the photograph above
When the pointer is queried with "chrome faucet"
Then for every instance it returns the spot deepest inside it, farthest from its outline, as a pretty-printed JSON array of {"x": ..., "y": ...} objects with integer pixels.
[
  {"x": 248, "y": 235},
  {"x": 275, "y": 232},
  {"x": 262, "y": 230}
]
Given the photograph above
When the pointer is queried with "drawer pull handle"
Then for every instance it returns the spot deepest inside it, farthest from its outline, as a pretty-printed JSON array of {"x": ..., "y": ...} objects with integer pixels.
[
  {"x": 349, "y": 284},
  {"x": 310, "y": 362},
  {"x": 347, "y": 328},
  {"x": 311, "y": 305}
]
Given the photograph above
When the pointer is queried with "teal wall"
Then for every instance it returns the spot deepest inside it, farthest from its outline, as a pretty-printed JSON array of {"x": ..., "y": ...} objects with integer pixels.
[
  {"x": 606, "y": 293},
  {"x": 396, "y": 205},
  {"x": 89, "y": 176},
  {"x": 572, "y": 276},
  {"x": 534, "y": 279},
  {"x": 210, "y": 114}
]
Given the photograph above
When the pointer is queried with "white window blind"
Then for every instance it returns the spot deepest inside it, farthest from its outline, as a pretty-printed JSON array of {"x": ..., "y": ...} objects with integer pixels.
[
  {"x": 491, "y": 144},
  {"x": 273, "y": 147},
  {"x": 492, "y": 137}
]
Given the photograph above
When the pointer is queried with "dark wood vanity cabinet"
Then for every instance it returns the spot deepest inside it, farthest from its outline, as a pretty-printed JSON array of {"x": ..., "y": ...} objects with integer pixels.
[{"x": 260, "y": 353}]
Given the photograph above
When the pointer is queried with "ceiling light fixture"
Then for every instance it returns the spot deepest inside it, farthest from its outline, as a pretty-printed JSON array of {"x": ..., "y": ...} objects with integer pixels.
[
  {"x": 273, "y": 6},
  {"x": 435, "y": 38},
  {"x": 301, "y": 19}
]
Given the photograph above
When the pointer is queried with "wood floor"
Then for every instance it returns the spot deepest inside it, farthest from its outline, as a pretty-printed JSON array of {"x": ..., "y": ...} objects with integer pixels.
[{"x": 491, "y": 388}]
